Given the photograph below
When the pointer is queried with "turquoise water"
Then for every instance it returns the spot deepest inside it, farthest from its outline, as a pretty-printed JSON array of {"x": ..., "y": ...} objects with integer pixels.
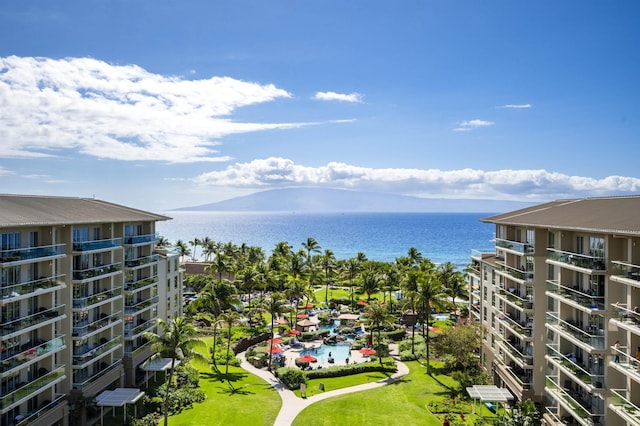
[
  {"x": 339, "y": 352},
  {"x": 441, "y": 237}
]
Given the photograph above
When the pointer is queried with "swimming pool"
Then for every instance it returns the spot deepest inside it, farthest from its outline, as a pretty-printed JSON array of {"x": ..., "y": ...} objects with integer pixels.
[{"x": 339, "y": 352}]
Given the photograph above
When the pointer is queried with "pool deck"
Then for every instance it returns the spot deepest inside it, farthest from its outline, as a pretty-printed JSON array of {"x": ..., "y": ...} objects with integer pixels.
[{"x": 292, "y": 405}]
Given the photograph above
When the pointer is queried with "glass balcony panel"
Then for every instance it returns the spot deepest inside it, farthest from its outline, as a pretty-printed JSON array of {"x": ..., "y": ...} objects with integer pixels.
[
  {"x": 136, "y": 285},
  {"x": 596, "y": 263},
  {"x": 23, "y": 392},
  {"x": 515, "y": 246},
  {"x": 97, "y": 244},
  {"x": 593, "y": 338},
  {"x": 144, "y": 260},
  {"x": 28, "y": 287},
  {"x": 137, "y": 306},
  {"x": 626, "y": 270},
  {"x": 580, "y": 372},
  {"x": 31, "y": 417},
  {"x": 34, "y": 319},
  {"x": 621, "y": 401},
  {"x": 573, "y": 405},
  {"x": 131, "y": 332},
  {"x": 96, "y": 272},
  {"x": 18, "y": 355},
  {"x": 105, "y": 296},
  {"x": 31, "y": 253},
  {"x": 84, "y": 328},
  {"x": 586, "y": 298},
  {"x": 141, "y": 239},
  {"x": 519, "y": 274},
  {"x": 92, "y": 353},
  {"x": 82, "y": 378}
]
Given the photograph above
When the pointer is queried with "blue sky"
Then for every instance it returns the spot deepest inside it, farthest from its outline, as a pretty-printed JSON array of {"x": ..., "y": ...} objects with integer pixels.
[{"x": 159, "y": 104}]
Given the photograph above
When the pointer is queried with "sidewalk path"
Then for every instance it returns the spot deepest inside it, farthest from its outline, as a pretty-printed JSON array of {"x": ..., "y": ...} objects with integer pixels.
[{"x": 292, "y": 405}]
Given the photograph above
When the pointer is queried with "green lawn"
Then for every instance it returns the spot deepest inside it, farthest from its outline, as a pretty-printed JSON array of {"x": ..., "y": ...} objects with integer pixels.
[{"x": 313, "y": 386}]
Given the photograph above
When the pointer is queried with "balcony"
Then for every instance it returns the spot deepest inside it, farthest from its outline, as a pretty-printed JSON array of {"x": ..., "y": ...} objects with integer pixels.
[
  {"x": 577, "y": 407},
  {"x": 16, "y": 357},
  {"x": 133, "y": 332},
  {"x": 572, "y": 368},
  {"x": 43, "y": 316},
  {"x": 584, "y": 300},
  {"x": 42, "y": 285},
  {"x": 480, "y": 254},
  {"x": 104, "y": 297},
  {"x": 517, "y": 353},
  {"x": 522, "y": 329},
  {"x": 31, "y": 253},
  {"x": 594, "y": 263},
  {"x": 131, "y": 286},
  {"x": 621, "y": 404},
  {"x": 96, "y": 272},
  {"x": 141, "y": 239},
  {"x": 625, "y": 273},
  {"x": 26, "y": 391},
  {"x": 133, "y": 307},
  {"x": 81, "y": 360},
  {"x": 86, "y": 328},
  {"x": 587, "y": 340},
  {"x": 140, "y": 261},
  {"x": 514, "y": 246},
  {"x": 625, "y": 318},
  {"x": 97, "y": 245},
  {"x": 520, "y": 275},
  {"x": 47, "y": 409},
  {"x": 82, "y": 378},
  {"x": 516, "y": 378},
  {"x": 513, "y": 297}
]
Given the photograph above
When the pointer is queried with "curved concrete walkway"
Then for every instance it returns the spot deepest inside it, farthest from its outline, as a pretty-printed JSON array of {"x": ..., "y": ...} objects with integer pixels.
[{"x": 292, "y": 405}]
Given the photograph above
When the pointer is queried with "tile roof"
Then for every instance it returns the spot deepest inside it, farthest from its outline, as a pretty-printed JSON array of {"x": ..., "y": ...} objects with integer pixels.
[
  {"x": 32, "y": 210},
  {"x": 615, "y": 215}
]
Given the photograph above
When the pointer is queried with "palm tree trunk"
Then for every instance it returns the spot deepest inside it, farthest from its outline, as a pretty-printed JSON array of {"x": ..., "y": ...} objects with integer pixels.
[
  {"x": 213, "y": 349},
  {"x": 427, "y": 345},
  {"x": 166, "y": 394}
]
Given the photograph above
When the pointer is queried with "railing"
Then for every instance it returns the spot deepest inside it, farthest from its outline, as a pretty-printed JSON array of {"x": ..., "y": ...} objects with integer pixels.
[
  {"x": 575, "y": 407},
  {"x": 141, "y": 239},
  {"x": 132, "y": 332},
  {"x": 31, "y": 353},
  {"x": 84, "y": 274},
  {"x": 515, "y": 299},
  {"x": 577, "y": 370},
  {"x": 587, "y": 299},
  {"x": 132, "y": 308},
  {"x": 33, "y": 319},
  {"x": 83, "y": 302},
  {"x": 135, "y": 285},
  {"x": 85, "y": 328},
  {"x": 518, "y": 247},
  {"x": 137, "y": 350},
  {"x": 520, "y": 375},
  {"x": 626, "y": 270},
  {"x": 523, "y": 328},
  {"x": 596, "y": 263},
  {"x": 82, "y": 379},
  {"x": 97, "y": 244},
  {"x": 596, "y": 341},
  {"x": 93, "y": 353},
  {"x": 518, "y": 274},
  {"x": 33, "y": 416},
  {"x": 21, "y": 289},
  {"x": 517, "y": 353},
  {"x": 620, "y": 400},
  {"x": 31, "y": 387},
  {"x": 480, "y": 253},
  {"x": 144, "y": 260},
  {"x": 626, "y": 316},
  {"x": 30, "y": 253}
]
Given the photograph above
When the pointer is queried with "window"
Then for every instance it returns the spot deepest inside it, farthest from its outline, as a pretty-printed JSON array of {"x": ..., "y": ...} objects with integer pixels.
[
  {"x": 80, "y": 235},
  {"x": 551, "y": 243},
  {"x": 596, "y": 247},
  {"x": 531, "y": 239},
  {"x": 10, "y": 241}
]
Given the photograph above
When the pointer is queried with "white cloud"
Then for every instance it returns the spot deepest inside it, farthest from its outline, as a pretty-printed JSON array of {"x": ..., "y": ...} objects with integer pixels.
[
  {"x": 469, "y": 125},
  {"x": 343, "y": 97},
  {"x": 120, "y": 112},
  {"x": 516, "y": 106},
  {"x": 534, "y": 185}
]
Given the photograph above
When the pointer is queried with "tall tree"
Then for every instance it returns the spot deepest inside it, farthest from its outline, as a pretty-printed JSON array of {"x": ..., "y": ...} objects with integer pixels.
[
  {"x": 430, "y": 294},
  {"x": 183, "y": 249},
  {"x": 370, "y": 282},
  {"x": 379, "y": 317},
  {"x": 195, "y": 243},
  {"x": 328, "y": 261},
  {"x": 311, "y": 245},
  {"x": 275, "y": 306},
  {"x": 414, "y": 257},
  {"x": 176, "y": 340},
  {"x": 163, "y": 242}
]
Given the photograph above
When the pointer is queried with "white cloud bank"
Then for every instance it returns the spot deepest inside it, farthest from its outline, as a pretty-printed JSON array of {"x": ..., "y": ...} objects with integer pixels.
[
  {"x": 532, "y": 185},
  {"x": 120, "y": 112},
  {"x": 516, "y": 106},
  {"x": 342, "y": 97},
  {"x": 466, "y": 126}
]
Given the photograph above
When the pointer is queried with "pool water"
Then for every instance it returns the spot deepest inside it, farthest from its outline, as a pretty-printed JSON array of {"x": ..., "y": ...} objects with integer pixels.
[{"x": 338, "y": 352}]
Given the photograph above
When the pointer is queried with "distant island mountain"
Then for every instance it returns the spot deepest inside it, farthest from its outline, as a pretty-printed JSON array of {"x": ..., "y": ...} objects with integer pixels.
[{"x": 319, "y": 200}]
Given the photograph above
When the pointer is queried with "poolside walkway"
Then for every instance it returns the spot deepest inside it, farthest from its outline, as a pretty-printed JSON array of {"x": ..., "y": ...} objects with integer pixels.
[{"x": 292, "y": 405}]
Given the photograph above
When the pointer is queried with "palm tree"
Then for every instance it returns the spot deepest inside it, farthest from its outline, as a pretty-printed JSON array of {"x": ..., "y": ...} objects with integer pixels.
[
  {"x": 311, "y": 245},
  {"x": 195, "y": 243},
  {"x": 328, "y": 262},
  {"x": 221, "y": 264},
  {"x": 217, "y": 297},
  {"x": 370, "y": 283},
  {"x": 392, "y": 280},
  {"x": 163, "y": 243},
  {"x": 350, "y": 269},
  {"x": 229, "y": 318},
  {"x": 275, "y": 306},
  {"x": 177, "y": 340},
  {"x": 182, "y": 248},
  {"x": 410, "y": 284},
  {"x": 430, "y": 294},
  {"x": 379, "y": 317},
  {"x": 215, "y": 324},
  {"x": 453, "y": 282},
  {"x": 414, "y": 257},
  {"x": 249, "y": 278},
  {"x": 361, "y": 257}
]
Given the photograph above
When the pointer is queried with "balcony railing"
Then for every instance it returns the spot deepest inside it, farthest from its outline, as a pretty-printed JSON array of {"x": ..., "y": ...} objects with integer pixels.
[
  {"x": 27, "y": 389},
  {"x": 138, "y": 330},
  {"x": 136, "y": 285},
  {"x": 22, "y": 289},
  {"x": 33, "y": 319},
  {"x": 93, "y": 353},
  {"x": 132, "y": 307},
  {"x": 480, "y": 253},
  {"x": 517, "y": 353},
  {"x": 31, "y": 353},
  {"x": 513, "y": 297},
  {"x": 596, "y": 263},
  {"x": 84, "y": 328},
  {"x": 84, "y": 378},
  {"x": 582, "y": 414},
  {"x": 571, "y": 327},
  {"x": 136, "y": 351},
  {"x": 626, "y": 270},
  {"x": 141, "y": 239},
  {"x": 580, "y": 372},
  {"x": 31, "y": 253},
  {"x": 621, "y": 403},
  {"x": 587, "y": 299},
  {"x": 84, "y": 302},
  {"x": 98, "y": 271},
  {"x": 518, "y": 274},
  {"x": 97, "y": 244},
  {"x": 522, "y": 328},
  {"x": 144, "y": 260},
  {"x": 522, "y": 248},
  {"x": 30, "y": 417}
]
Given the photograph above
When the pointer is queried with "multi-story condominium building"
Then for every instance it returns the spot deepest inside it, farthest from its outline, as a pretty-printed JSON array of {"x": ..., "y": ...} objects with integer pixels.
[
  {"x": 80, "y": 283},
  {"x": 558, "y": 297}
]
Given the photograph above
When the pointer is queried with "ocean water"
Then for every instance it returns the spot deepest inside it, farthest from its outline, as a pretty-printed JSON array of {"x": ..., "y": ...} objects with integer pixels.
[{"x": 440, "y": 237}]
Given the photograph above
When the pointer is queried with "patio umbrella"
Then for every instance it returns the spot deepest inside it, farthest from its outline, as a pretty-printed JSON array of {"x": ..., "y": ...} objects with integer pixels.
[
  {"x": 281, "y": 321},
  {"x": 275, "y": 341},
  {"x": 274, "y": 350},
  {"x": 294, "y": 332},
  {"x": 361, "y": 302},
  {"x": 367, "y": 351},
  {"x": 307, "y": 358},
  {"x": 308, "y": 306},
  {"x": 302, "y": 316}
]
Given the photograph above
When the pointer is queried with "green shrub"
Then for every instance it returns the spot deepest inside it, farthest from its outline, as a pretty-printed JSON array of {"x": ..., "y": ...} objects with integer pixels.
[{"x": 291, "y": 377}]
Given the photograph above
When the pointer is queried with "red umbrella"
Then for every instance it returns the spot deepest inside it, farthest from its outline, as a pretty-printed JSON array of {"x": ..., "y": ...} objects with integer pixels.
[
  {"x": 302, "y": 316},
  {"x": 308, "y": 306},
  {"x": 275, "y": 341},
  {"x": 361, "y": 302},
  {"x": 274, "y": 350},
  {"x": 294, "y": 332},
  {"x": 367, "y": 351},
  {"x": 307, "y": 358},
  {"x": 281, "y": 321}
]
